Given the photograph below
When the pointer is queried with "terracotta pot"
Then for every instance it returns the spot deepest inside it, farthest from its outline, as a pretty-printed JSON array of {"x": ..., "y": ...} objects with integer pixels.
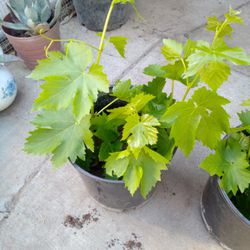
[{"x": 31, "y": 49}]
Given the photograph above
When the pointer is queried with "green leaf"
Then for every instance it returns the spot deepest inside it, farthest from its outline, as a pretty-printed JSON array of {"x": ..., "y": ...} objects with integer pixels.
[
  {"x": 155, "y": 87},
  {"x": 202, "y": 117},
  {"x": 122, "y": 90},
  {"x": 214, "y": 74},
  {"x": 246, "y": 102},
  {"x": 245, "y": 119},
  {"x": 189, "y": 48},
  {"x": 197, "y": 61},
  {"x": 132, "y": 176},
  {"x": 104, "y": 129},
  {"x": 144, "y": 171},
  {"x": 140, "y": 130},
  {"x": 155, "y": 70},
  {"x": 172, "y": 50},
  {"x": 233, "y": 16},
  {"x": 234, "y": 55},
  {"x": 68, "y": 78},
  {"x": 58, "y": 133},
  {"x": 165, "y": 146},
  {"x": 223, "y": 28},
  {"x": 208, "y": 61},
  {"x": 117, "y": 163},
  {"x": 213, "y": 24},
  {"x": 229, "y": 163},
  {"x": 175, "y": 72},
  {"x": 120, "y": 43},
  {"x": 158, "y": 106},
  {"x": 107, "y": 148},
  {"x": 171, "y": 71},
  {"x": 152, "y": 163},
  {"x": 135, "y": 105}
]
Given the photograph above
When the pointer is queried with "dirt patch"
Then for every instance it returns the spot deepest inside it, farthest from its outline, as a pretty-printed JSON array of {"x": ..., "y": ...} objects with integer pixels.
[
  {"x": 131, "y": 244},
  {"x": 79, "y": 222}
]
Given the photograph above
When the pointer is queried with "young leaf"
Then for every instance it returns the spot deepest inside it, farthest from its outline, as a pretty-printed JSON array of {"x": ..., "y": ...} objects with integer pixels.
[
  {"x": 144, "y": 170},
  {"x": 140, "y": 130},
  {"x": 58, "y": 133},
  {"x": 229, "y": 163},
  {"x": 120, "y": 43},
  {"x": 198, "y": 118},
  {"x": 68, "y": 78},
  {"x": 223, "y": 28},
  {"x": 117, "y": 163},
  {"x": 233, "y": 16},
  {"x": 152, "y": 164},
  {"x": 135, "y": 105},
  {"x": 189, "y": 48},
  {"x": 214, "y": 74},
  {"x": 172, "y": 50}
]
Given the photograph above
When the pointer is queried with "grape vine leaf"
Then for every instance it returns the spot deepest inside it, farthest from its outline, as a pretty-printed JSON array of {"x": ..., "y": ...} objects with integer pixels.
[
  {"x": 135, "y": 105},
  {"x": 214, "y": 74},
  {"x": 143, "y": 171},
  {"x": 201, "y": 117},
  {"x": 70, "y": 76},
  {"x": 119, "y": 43},
  {"x": 122, "y": 90},
  {"x": 155, "y": 70},
  {"x": 140, "y": 130},
  {"x": 158, "y": 106},
  {"x": 172, "y": 50},
  {"x": 208, "y": 61},
  {"x": 58, "y": 133},
  {"x": 224, "y": 27},
  {"x": 245, "y": 119},
  {"x": 107, "y": 132},
  {"x": 229, "y": 163}
]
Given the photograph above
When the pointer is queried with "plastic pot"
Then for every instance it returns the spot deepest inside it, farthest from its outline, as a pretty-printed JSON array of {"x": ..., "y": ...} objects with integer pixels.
[
  {"x": 222, "y": 219},
  {"x": 31, "y": 49},
  {"x": 92, "y": 14},
  {"x": 110, "y": 193}
]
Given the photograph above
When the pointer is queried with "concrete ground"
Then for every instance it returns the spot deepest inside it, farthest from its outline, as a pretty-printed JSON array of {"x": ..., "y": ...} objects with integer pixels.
[{"x": 35, "y": 200}]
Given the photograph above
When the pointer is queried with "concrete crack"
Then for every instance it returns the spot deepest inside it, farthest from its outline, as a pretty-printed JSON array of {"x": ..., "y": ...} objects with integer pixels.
[{"x": 10, "y": 206}]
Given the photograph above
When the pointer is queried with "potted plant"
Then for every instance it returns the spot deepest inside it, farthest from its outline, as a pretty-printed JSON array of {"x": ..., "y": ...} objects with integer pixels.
[
  {"x": 225, "y": 205},
  {"x": 8, "y": 89},
  {"x": 126, "y": 138},
  {"x": 92, "y": 13},
  {"x": 26, "y": 23}
]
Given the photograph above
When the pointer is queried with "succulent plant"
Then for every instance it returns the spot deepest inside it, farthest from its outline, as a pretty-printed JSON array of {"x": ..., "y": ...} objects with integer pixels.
[
  {"x": 7, "y": 58},
  {"x": 32, "y": 16}
]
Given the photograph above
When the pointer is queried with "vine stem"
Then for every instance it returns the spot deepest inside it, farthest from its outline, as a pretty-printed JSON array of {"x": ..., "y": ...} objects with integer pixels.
[
  {"x": 104, "y": 32},
  {"x": 218, "y": 31},
  {"x": 67, "y": 40},
  {"x": 109, "y": 104},
  {"x": 172, "y": 88},
  {"x": 189, "y": 87}
]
